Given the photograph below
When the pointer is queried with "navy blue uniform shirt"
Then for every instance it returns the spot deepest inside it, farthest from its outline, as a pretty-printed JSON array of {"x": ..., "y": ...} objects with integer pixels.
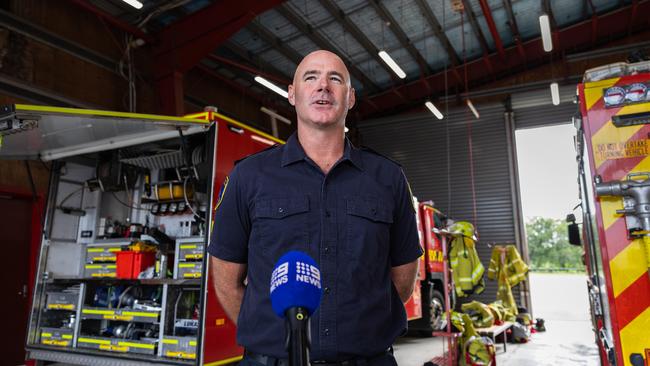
[{"x": 357, "y": 222}]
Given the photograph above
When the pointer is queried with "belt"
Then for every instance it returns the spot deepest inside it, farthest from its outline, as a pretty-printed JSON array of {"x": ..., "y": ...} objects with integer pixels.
[{"x": 274, "y": 361}]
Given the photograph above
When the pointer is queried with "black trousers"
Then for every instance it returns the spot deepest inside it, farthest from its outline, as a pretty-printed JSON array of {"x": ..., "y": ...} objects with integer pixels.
[{"x": 384, "y": 360}]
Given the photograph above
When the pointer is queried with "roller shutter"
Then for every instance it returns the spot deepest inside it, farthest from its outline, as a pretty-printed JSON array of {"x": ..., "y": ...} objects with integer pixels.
[{"x": 420, "y": 143}]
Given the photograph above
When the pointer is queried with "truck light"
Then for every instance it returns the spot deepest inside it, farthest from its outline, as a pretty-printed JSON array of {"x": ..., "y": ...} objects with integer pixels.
[
  {"x": 614, "y": 96},
  {"x": 636, "y": 92}
]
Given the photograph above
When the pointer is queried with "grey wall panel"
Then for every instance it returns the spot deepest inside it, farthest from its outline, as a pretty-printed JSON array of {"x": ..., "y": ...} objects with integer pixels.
[{"x": 421, "y": 143}]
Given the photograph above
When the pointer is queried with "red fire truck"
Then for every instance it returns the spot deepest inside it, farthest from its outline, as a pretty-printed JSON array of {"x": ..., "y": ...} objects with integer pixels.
[
  {"x": 426, "y": 308},
  {"x": 120, "y": 182},
  {"x": 613, "y": 148}
]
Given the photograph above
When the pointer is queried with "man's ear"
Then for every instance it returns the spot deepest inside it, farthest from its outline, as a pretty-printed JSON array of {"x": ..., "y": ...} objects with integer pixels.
[
  {"x": 292, "y": 95},
  {"x": 352, "y": 99}
]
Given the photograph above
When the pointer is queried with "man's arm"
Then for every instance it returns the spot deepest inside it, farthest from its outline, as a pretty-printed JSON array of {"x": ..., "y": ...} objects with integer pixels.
[
  {"x": 228, "y": 279},
  {"x": 404, "y": 279}
]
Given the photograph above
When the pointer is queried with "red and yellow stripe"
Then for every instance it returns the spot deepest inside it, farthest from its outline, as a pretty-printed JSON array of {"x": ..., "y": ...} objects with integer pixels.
[{"x": 617, "y": 152}]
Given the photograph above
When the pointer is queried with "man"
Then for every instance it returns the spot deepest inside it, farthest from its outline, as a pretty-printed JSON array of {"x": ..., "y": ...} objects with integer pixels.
[{"x": 349, "y": 209}]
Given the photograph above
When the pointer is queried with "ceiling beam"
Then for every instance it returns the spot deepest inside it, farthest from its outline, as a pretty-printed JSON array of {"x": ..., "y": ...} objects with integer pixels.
[
  {"x": 358, "y": 35},
  {"x": 185, "y": 42},
  {"x": 325, "y": 44},
  {"x": 276, "y": 42},
  {"x": 575, "y": 38},
  {"x": 256, "y": 61},
  {"x": 479, "y": 34},
  {"x": 438, "y": 31},
  {"x": 250, "y": 70},
  {"x": 404, "y": 40},
  {"x": 512, "y": 23},
  {"x": 487, "y": 13},
  {"x": 123, "y": 26}
]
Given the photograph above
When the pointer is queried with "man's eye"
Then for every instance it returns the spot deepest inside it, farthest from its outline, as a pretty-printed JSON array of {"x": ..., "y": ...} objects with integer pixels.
[
  {"x": 336, "y": 79},
  {"x": 310, "y": 78}
]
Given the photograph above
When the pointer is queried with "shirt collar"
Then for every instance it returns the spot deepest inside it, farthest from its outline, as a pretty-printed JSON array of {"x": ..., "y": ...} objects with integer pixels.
[{"x": 294, "y": 152}]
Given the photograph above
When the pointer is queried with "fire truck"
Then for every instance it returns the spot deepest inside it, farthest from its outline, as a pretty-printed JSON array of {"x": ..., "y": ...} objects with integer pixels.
[
  {"x": 613, "y": 146},
  {"x": 121, "y": 272},
  {"x": 426, "y": 308}
]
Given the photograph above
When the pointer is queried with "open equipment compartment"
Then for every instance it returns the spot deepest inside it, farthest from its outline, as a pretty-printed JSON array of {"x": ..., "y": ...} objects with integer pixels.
[{"x": 123, "y": 189}]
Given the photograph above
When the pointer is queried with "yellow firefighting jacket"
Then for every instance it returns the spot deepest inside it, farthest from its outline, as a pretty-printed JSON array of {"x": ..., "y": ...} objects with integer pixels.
[
  {"x": 466, "y": 266},
  {"x": 479, "y": 313},
  {"x": 515, "y": 267}
]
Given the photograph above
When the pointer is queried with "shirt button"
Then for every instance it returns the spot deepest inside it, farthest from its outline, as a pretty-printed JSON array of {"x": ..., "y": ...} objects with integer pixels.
[
  {"x": 280, "y": 210},
  {"x": 326, "y": 331},
  {"x": 374, "y": 211},
  {"x": 327, "y": 214},
  {"x": 326, "y": 249},
  {"x": 327, "y": 290}
]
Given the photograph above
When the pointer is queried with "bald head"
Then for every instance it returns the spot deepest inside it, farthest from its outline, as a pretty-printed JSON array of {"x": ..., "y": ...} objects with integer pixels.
[
  {"x": 321, "y": 91},
  {"x": 317, "y": 59}
]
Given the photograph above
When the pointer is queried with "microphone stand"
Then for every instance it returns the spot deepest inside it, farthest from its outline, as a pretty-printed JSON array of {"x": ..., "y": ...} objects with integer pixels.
[{"x": 298, "y": 336}]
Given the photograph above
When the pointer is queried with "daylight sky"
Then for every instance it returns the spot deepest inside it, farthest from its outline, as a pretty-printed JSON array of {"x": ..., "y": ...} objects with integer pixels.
[{"x": 547, "y": 171}]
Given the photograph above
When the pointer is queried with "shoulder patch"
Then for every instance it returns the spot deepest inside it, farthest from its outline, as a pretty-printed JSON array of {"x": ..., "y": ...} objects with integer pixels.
[
  {"x": 256, "y": 153},
  {"x": 365, "y": 148}
]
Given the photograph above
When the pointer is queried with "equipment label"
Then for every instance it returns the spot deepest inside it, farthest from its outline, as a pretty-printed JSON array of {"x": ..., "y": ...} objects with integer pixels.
[{"x": 622, "y": 150}]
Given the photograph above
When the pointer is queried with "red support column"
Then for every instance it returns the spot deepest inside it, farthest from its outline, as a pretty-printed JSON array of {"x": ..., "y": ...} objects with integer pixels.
[{"x": 169, "y": 89}]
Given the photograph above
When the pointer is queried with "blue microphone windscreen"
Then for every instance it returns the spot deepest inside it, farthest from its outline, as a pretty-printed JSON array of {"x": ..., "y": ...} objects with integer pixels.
[{"x": 295, "y": 282}]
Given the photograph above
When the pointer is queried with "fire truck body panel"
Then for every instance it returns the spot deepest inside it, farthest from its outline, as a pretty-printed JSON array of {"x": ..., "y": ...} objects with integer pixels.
[{"x": 618, "y": 144}]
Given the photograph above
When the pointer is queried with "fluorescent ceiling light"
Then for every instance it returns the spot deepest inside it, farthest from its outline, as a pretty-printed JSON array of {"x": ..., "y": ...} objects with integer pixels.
[
  {"x": 392, "y": 64},
  {"x": 134, "y": 3},
  {"x": 555, "y": 93},
  {"x": 433, "y": 109},
  {"x": 545, "y": 27},
  {"x": 471, "y": 106},
  {"x": 272, "y": 86}
]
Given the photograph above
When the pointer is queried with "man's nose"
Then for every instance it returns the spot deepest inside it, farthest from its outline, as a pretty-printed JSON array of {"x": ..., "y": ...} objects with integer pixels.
[{"x": 323, "y": 84}]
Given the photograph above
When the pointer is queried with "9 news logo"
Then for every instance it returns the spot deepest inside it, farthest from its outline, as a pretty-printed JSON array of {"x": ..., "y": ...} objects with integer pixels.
[{"x": 305, "y": 273}]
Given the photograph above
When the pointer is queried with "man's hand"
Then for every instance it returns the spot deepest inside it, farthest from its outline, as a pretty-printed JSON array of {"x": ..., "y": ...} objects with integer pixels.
[
  {"x": 404, "y": 279},
  {"x": 228, "y": 279}
]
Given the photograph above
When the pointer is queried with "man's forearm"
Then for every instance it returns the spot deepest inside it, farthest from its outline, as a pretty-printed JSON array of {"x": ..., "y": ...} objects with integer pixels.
[
  {"x": 228, "y": 280},
  {"x": 404, "y": 279}
]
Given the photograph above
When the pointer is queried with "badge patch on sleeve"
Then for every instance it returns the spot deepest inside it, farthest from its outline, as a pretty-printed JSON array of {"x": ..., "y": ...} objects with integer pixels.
[{"x": 222, "y": 192}]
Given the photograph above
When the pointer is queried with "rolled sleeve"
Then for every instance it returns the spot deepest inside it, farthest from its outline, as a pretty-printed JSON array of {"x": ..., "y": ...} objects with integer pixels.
[
  {"x": 229, "y": 238},
  {"x": 405, "y": 244}
]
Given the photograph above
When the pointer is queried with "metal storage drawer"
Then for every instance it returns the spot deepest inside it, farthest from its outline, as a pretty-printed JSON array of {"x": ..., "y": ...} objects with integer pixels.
[
  {"x": 179, "y": 347},
  {"x": 129, "y": 315},
  {"x": 100, "y": 270},
  {"x": 190, "y": 251},
  {"x": 189, "y": 270},
  {"x": 96, "y": 254},
  {"x": 143, "y": 346},
  {"x": 62, "y": 301},
  {"x": 60, "y": 337}
]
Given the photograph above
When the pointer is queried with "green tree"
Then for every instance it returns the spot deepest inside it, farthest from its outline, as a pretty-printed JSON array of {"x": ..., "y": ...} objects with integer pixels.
[{"x": 548, "y": 245}]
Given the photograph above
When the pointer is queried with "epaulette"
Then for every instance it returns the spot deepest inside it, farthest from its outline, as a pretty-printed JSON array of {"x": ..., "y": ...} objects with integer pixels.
[
  {"x": 366, "y": 148},
  {"x": 255, "y": 153}
]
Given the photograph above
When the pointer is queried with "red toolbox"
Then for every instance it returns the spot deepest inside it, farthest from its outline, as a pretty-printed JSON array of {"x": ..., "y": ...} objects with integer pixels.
[{"x": 130, "y": 263}]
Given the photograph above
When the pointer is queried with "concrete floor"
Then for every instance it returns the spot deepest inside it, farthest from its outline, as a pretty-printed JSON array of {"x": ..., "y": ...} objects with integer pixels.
[{"x": 561, "y": 299}]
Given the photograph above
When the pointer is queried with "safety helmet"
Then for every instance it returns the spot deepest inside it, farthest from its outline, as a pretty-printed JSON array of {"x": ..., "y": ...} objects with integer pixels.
[{"x": 463, "y": 228}]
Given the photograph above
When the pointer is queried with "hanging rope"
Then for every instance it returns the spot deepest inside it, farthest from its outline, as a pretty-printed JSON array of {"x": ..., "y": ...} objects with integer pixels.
[{"x": 469, "y": 124}]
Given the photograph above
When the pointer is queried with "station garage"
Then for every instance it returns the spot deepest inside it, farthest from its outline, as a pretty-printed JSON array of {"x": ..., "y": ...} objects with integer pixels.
[{"x": 325, "y": 182}]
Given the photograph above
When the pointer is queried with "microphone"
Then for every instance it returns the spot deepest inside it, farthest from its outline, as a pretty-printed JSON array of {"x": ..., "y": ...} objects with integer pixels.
[{"x": 295, "y": 295}]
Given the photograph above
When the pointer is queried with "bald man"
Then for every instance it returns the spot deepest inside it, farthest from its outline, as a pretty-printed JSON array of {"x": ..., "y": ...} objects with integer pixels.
[{"x": 348, "y": 208}]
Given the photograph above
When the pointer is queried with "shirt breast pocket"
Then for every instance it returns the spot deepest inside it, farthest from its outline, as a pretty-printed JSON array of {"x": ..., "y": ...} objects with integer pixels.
[
  {"x": 369, "y": 222},
  {"x": 282, "y": 224}
]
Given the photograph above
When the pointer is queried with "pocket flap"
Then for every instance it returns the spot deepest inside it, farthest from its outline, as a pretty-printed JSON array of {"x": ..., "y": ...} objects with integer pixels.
[
  {"x": 278, "y": 208},
  {"x": 370, "y": 208}
]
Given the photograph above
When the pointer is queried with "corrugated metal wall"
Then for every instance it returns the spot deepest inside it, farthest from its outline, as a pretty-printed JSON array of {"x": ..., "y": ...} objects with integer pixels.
[{"x": 420, "y": 143}]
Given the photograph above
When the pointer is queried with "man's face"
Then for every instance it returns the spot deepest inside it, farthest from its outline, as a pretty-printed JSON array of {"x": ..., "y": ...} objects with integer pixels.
[{"x": 321, "y": 90}]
